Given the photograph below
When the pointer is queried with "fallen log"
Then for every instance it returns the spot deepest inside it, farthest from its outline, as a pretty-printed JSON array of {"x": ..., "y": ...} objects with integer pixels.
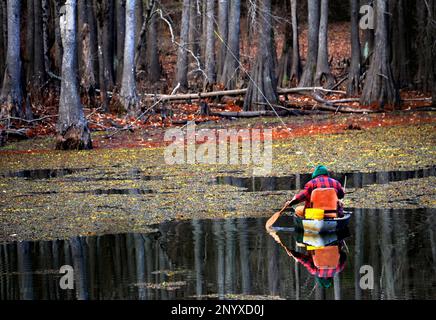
[
  {"x": 250, "y": 114},
  {"x": 330, "y": 106},
  {"x": 237, "y": 92}
]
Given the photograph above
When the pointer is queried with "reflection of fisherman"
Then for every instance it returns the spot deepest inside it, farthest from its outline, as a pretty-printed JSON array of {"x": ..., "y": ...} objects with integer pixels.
[
  {"x": 323, "y": 263},
  {"x": 320, "y": 179}
]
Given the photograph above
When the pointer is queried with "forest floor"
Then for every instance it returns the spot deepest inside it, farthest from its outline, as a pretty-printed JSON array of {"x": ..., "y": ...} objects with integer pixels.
[{"x": 128, "y": 189}]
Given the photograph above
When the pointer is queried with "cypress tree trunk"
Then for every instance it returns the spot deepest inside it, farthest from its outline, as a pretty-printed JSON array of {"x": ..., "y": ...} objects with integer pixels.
[
  {"x": 380, "y": 90},
  {"x": 308, "y": 77},
  {"x": 322, "y": 66},
  {"x": 182, "y": 56},
  {"x": 128, "y": 94},
  {"x": 354, "y": 73},
  {"x": 400, "y": 57},
  {"x": 263, "y": 88},
  {"x": 72, "y": 127},
  {"x": 223, "y": 30},
  {"x": 120, "y": 17},
  {"x": 296, "y": 60},
  {"x": 102, "y": 66},
  {"x": 2, "y": 47},
  {"x": 285, "y": 62},
  {"x": 194, "y": 31},
  {"x": 12, "y": 96},
  {"x": 230, "y": 73},
  {"x": 154, "y": 70},
  {"x": 30, "y": 42},
  {"x": 210, "y": 44},
  {"x": 57, "y": 47},
  {"x": 39, "y": 65}
]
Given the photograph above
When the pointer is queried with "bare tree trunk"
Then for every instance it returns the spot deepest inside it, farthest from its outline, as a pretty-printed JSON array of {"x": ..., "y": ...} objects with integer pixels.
[
  {"x": 194, "y": 30},
  {"x": 182, "y": 56},
  {"x": 263, "y": 88},
  {"x": 223, "y": 31},
  {"x": 285, "y": 62},
  {"x": 2, "y": 47},
  {"x": 72, "y": 127},
  {"x": 30, "y": 42},
  {"x": 12, "y": 96},
  {"x": 400, "y": 59},
  {"x": 57, "y": 46},
  {"x": 308, "y": 77},
  {"x": 230, "y": 73},
  {"x": 128, "y": 94},
  {"x": 354, "y": 73},
  {"x": 154, "y": 70},
  {"x": 210, "y": 44},
  {"x": 120, "y": 17},
  {"x": 140, "y": 38},
  {"x": 39, "y": 68},
  {"x": 296, "y": 60},
  {"x": 102, "y": 70},
  {"x": 87, "y": 77},
  {"x": 322, "y": 65},
  {"x": 380, "y": 89}
]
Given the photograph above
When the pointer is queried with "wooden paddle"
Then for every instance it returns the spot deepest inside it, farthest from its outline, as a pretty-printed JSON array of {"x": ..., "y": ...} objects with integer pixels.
[{"x": 275, "y": 217}]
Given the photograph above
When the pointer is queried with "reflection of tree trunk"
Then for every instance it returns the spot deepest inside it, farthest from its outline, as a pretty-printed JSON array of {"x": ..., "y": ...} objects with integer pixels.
[
  {"x": 230, "y": 232},
  {"x": 273, "y": 270},
  {"x": 244, "y": 256},
  {"x": 220, "y": 269},
  {"x": 374, "y": 251},
  {"x": 401, "y": 259},
  {"x": 79, "y": 269},
  {"x": 148, "y": 265},
  {"x": 337, "y": 284},
  {"x": 197, "y": 231},
  {"x": 25, "y": 277},
  {"x": 358, "y": 257},
  {"x": 432, "y": 235},
  {"x": 387, "y": 255},
  {"x": 140, "y": 265}
]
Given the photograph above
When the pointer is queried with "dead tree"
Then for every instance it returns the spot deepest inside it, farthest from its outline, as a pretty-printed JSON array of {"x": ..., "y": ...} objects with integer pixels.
[
  {"x": 182, "y": 55},
  {"x": 223, "y": 32},
  {"x": 128, "y": 95},
  {"x": 322, "y": 66},
  {"x": 230, "y": 73},
  {"x": 354, "y": 73},
  {"x": 72, "y": 128},
  {"x": 296, "y": 60},
  {"x": 11, "y": 97},
  {"x": 380, "y": 89},
  {"x": 308, "y": 76},
  {"x": 210, "y": 44},
  {"x": 263, "y": 85}
]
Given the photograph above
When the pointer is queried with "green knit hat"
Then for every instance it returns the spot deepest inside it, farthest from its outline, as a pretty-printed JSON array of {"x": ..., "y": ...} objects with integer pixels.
[
  {"x": 320, "y": 171},
  {"x": 325, "y": 282}
]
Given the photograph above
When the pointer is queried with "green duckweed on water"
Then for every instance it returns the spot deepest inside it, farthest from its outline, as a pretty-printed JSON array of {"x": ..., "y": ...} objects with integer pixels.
[{"x": 128, "y": 190}]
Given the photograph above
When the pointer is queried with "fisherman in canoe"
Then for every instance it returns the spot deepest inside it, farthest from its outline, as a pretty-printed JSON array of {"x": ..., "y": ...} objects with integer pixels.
[{"x": 320, "y": 180}]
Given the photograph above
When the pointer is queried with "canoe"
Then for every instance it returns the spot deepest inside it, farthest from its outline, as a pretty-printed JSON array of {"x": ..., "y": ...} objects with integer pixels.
[{"x": 322, "y": 226}]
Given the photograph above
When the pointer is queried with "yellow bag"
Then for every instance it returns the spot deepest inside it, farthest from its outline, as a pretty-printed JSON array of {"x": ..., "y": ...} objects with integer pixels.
[{"x": 314, "y": 214}]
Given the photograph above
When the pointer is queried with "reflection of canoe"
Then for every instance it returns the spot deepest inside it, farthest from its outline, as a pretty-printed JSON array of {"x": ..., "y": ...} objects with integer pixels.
[
  {"x": 322, "y": 240},
  {"x": 322, "y": 226}
]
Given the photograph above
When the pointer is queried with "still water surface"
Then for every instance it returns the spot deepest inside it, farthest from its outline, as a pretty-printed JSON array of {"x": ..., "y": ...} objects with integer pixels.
[{"x": 224, "y": 259}]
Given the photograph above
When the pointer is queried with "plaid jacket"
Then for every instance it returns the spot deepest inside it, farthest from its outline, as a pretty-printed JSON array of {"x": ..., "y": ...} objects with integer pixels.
[
  {"x": 307, "y": 262},
  {"x": 319, "y": 182}
]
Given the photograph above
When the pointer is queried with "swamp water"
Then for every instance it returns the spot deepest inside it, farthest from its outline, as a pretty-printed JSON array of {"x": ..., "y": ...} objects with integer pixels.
[
  {"x": 226, "y": 259},
  {"x": 231, "y": 258}
]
